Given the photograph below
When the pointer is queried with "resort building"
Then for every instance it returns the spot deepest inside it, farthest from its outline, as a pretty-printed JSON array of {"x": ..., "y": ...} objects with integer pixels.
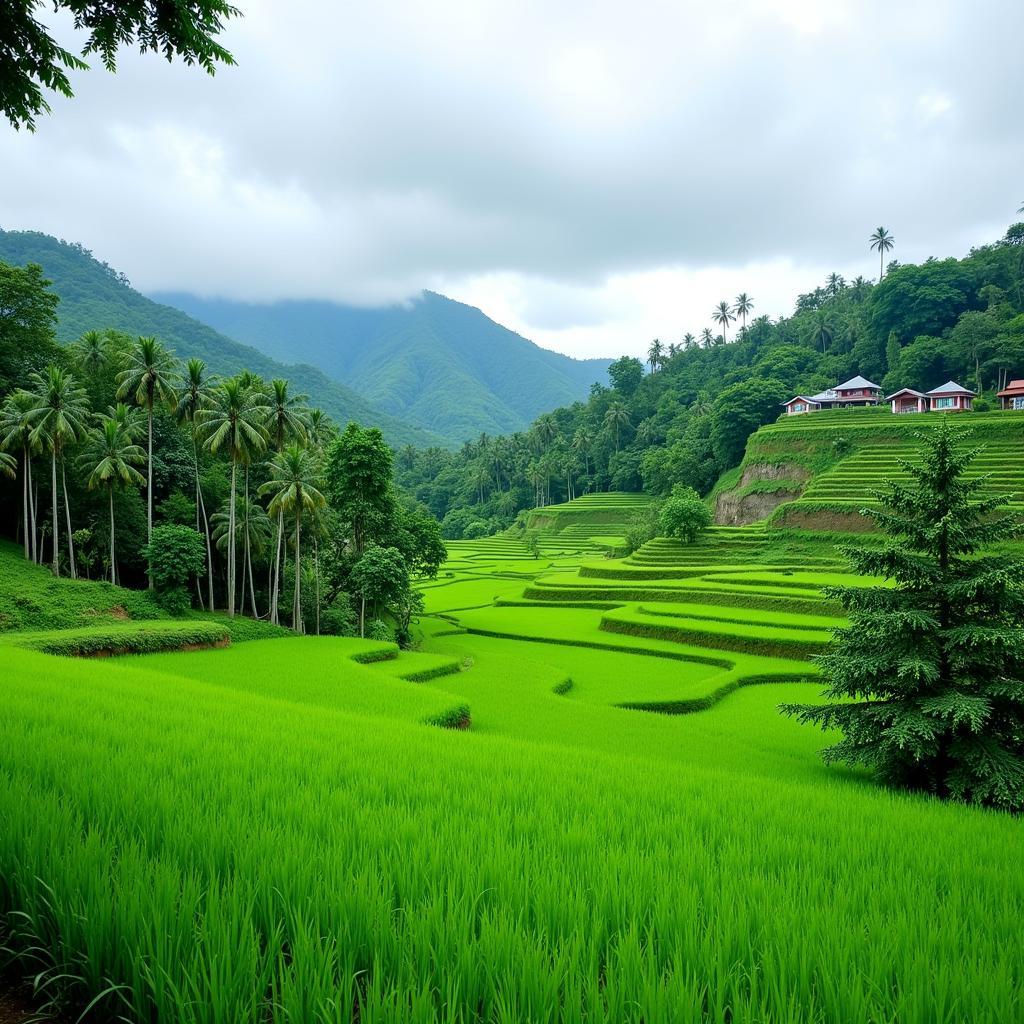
[
  {"x": 951, "y": 397},
  {"x": 1012, "y": 396},
  {"x": 855, "y": 391},
  {"x": 908, "y": 400}
]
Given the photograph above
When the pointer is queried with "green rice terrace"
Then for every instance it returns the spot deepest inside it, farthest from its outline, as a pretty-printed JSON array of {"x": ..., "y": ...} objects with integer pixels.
[
  {"x": 816, "y": 471},
  {"x": 575, "y": 802}
]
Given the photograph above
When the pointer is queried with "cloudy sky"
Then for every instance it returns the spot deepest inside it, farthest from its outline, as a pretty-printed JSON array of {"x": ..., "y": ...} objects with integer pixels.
[{"x": 591, "y": 174}]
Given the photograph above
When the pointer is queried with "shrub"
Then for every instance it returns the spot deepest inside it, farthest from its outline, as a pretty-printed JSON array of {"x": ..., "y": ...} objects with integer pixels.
[
  {"x": 378, "y": 629},
  {"x": 175, "y": 554},
  {"x": 475, "y": 530},
  {"x": 684, "y": 515}
]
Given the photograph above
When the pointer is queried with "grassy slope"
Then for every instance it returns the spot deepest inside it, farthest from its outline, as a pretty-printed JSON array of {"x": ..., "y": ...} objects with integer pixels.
[
  {"x": 434, "y": 362},
  {"x": 835, "y": 459},
  {"x": 92, "y": 297},
  {"x": 265, "y": 832}
]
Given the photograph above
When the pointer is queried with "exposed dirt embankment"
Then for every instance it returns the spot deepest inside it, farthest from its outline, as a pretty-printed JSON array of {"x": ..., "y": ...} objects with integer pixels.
[{"x": 753, "y": 498}]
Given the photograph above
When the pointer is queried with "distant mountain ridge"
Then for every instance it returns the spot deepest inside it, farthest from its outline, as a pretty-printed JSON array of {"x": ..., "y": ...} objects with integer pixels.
[
  {"x": 93, "y": 296},
  {"x": 434, "y": 362}
]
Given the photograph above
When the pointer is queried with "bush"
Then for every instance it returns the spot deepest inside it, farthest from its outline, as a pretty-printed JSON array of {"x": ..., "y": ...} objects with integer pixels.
[
  {"x": 475, "y": 530},
  {"x": 339, "y": 618},
  {"x": 174, "y": 600},
  {"x": 175, "y": 554},
  {"x": 378, "y": 629},
  {"x": 684, "y": 515}
]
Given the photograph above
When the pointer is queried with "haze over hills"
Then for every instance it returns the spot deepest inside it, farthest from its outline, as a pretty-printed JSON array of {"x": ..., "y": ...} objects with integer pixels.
[
  {"x": 94, "y": 296},
  {"x": 433, "y": 362}
]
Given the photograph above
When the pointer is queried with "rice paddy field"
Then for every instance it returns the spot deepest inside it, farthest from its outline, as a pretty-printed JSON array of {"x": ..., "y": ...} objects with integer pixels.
[{"x": 575, "y": 802}]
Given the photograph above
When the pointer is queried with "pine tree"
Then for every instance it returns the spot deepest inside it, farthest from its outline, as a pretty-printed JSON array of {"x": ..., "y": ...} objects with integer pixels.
[{"x": 927, "y": 682}]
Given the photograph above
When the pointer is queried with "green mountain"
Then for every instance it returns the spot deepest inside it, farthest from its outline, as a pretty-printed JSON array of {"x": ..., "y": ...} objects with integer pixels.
[
  {"x": 434, "y": 362},
  {"x": 93, "y": 295}
]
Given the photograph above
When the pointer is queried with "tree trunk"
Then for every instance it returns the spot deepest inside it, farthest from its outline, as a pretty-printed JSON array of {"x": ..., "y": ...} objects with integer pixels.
[
  {"x": 275, "y": 597},
  {"x": 149, "y": 490},
  {"x": 37, "y": 527},
  {"x": 53, "y": 484},
  {"x": 316, "y": 576},
  {"x": 113, "y": 563},
  {"x": 201, "y": 514},
  {"x": 248, "y": 550},
  {"x": 231, "y": 541},
  {"x": 67, "y": 519},
  {"x": 24, "y": 504},
  {"x": 297, "y": 598},
  {"x": 362, "y": 616}
]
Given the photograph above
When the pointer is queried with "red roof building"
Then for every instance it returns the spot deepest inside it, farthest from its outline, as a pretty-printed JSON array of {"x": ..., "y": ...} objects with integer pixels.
[
  {"x": 951, "y": 397},
  {"x": 1012, "y": 396},
  {"x": 908, "y": 400}
]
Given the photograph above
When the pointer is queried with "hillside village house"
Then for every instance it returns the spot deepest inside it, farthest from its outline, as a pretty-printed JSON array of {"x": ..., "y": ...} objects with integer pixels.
[
  {"x": 950, "y": 397},
  {"x": 855, "y": 391},
  {"x": 908, "y": 400},
  {"x": 1012, "y": 396}
]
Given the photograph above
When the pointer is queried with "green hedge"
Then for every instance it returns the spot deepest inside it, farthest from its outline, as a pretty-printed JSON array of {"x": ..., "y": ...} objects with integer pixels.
[
  {"x": 695, "y": 659},
  {"x": 141, "y": 638},
  {"x": 717, "y": 598},
  {"x": 457, "y": 717},
  {"x": 739, "y": 642},
  {"x": 687, "y": 706}
]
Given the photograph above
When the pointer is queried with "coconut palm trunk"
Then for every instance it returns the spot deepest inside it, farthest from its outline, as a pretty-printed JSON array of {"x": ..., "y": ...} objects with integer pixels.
[
  {"x": 202, "y": 519},
  {"x": 113, "y": 563},
  {"x": 275, "y": 600},
  {"x": 297, "y": 597},
  {"x": 27, "y": 527},
  {"x": 316, "y": 576},
  {"x": 53, "y": 485},
  {"x": 67, "y": 519},
  {"x": 149, "y": 486},
  {"x": 231, "y": 540}
]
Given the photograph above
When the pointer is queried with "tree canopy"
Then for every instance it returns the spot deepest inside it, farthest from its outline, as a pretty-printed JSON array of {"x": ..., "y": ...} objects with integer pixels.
[{"x": 31, "y": 60}]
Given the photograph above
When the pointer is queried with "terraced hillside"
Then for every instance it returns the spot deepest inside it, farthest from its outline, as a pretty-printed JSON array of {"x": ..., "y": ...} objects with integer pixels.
[
  {"x": 591, "y": 522},
  {"x": 816, "y": 471}
]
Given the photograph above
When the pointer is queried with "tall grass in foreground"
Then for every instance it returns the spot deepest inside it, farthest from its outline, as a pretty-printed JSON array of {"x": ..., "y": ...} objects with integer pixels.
[{"x": 226, "y": 857}]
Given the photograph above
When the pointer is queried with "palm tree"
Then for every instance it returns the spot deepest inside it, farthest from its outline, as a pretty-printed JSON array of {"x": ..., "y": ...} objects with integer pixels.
[
  {"x": 195, "y": 395},
  {"x": 655, "y": 355},
  {"x": 92, "y": 352},
  {"x": 249, "y": 516},
  {"x": 689, "y": 341},
  {"x": 481, "y": 477},
  {"x": 883, "y": 242},
  {"x": 235, "y": 420},
  {"x": 859, "y": 286},
  {"x": 288, "y": 420},
  {"x": 834, "y": 284},
  {"x": 294, "y": 487},
  {"x": 16, "y": 431},
  {"x": 822, "y": 329},
  {"x": 319, "y": 430},
  {"x": 744, "y": 306},
  {"x": 581, "y": 444},
  {"x": 110, "y": 460},
  {"x": 59, "y": 417},
  {"x": 723, "y": 317},
  {"x": 149, "y": 378},
  {"x": 707, "y": 338},
  {"x": 616, "y": 417}
]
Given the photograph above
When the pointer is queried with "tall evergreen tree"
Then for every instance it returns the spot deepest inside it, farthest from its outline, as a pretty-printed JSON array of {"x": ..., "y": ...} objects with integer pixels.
[{"x": 927, "y": 682}]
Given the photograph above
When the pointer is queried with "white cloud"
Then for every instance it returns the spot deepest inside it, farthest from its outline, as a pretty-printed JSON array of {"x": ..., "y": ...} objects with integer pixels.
[{"x": 590, "y": 174}]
